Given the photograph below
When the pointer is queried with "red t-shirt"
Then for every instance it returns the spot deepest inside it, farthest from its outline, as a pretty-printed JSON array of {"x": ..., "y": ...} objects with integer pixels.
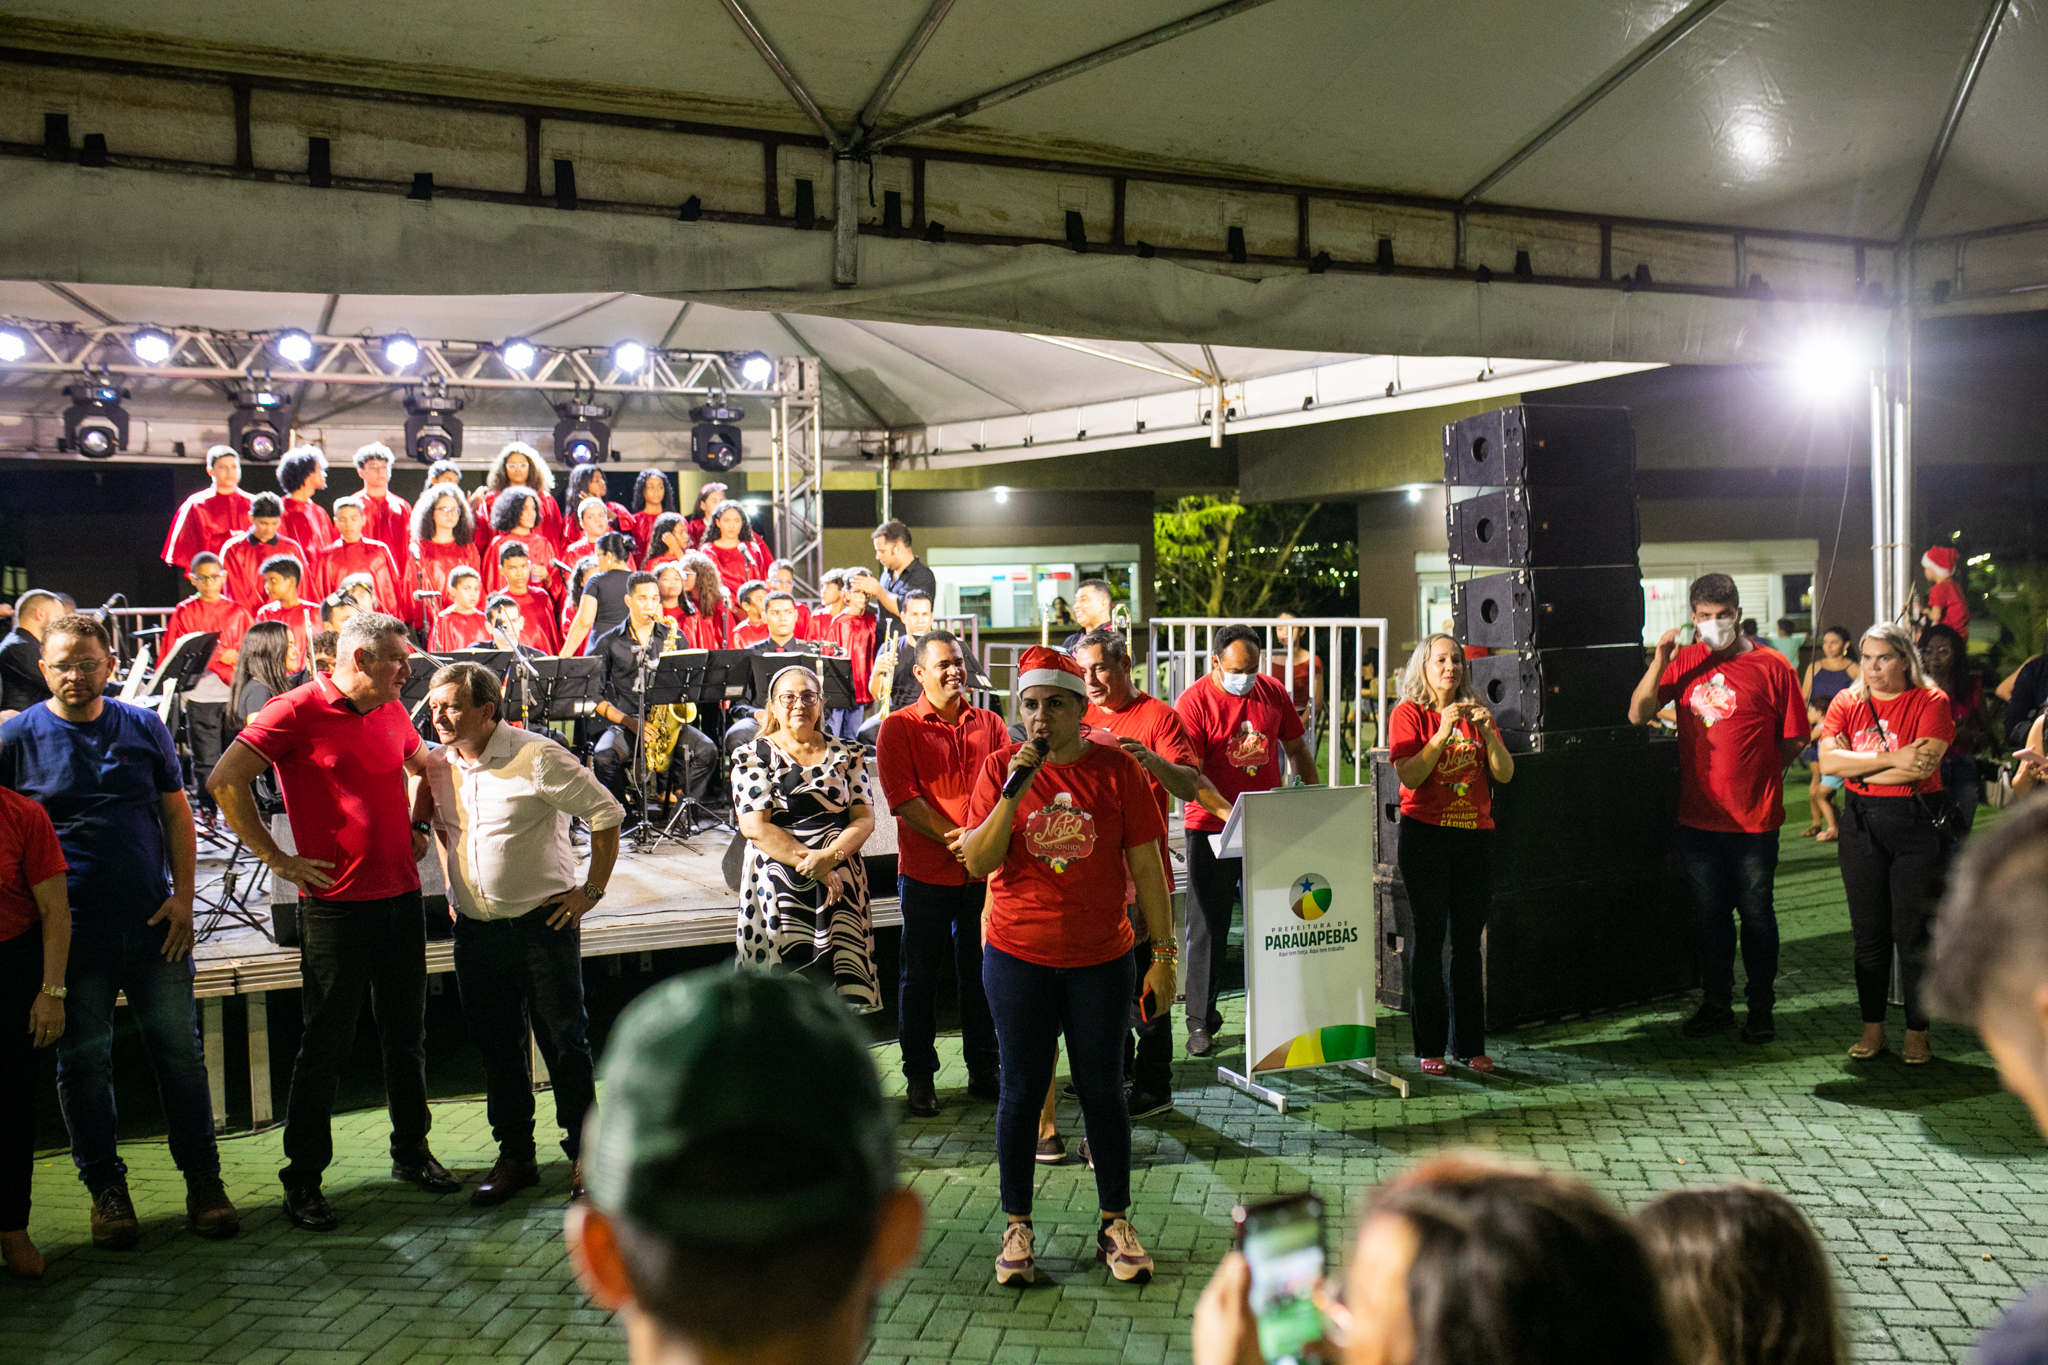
[
  {"x": 1238, "y": 739},
  {"x": 1458, "y": 794},
  {"x": 302, "y": 619},
  {"x": 194, "y": 615},
  {"x": 1955, "y": 611},
  {"x": 29, "y": 856},
  {"x": 205, "y": 520},
  {"x": 1732, "y": 711},
  {"x": 1152, "y": 723},
  {"x": 922, "y": 756},
  {"x": 1874, "y": 726},
  {"x": 343, "y": 777},
  {"x": 1058, "y": 898}
]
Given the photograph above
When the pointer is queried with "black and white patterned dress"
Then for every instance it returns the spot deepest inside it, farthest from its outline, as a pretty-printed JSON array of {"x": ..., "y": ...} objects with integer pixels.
[{"x": 781, "y": 926}]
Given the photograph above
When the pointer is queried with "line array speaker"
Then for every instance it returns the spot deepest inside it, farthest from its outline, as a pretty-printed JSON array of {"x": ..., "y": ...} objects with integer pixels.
[
  {"x": 1541, "y": 444},
  {"x": 1559, "y": 689},
  {"x": 1550, "y": 608},
  {"x": 1540, "y": 527}
]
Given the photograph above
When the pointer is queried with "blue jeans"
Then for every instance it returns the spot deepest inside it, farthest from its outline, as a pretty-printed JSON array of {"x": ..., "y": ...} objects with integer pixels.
[
  {"x": 942, "y": 923},
  {"x": 1733, "y": 872},
  {"x": 103, "y": 964},
  {"x": 844, "y": 723},
  {"x": 1033, "y": 1006},
  {"x": 512, "y": 972}
]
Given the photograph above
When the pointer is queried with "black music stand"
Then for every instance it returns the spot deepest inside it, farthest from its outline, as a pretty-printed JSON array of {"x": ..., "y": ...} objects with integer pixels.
[
  {"x": 665, "y": 680},
  {"x": 836, "y": 673},
  {"x": 561, "y": 689}
]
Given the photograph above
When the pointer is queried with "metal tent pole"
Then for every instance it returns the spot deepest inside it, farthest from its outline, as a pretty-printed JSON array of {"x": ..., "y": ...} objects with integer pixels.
[
  {"x": 1884, "y": 602},
  {"x": 1904, "y": 561}
]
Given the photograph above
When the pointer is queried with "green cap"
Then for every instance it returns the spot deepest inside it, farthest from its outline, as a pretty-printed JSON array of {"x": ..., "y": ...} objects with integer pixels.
[{"x": 717, "y": 1053}]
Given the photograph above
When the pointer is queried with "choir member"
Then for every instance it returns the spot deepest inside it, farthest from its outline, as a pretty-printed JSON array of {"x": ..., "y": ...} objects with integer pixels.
[
  {"x": 650, "y": 503},
  {"x": 539, "y": 627},
  {"x": 516, "y": 515},
  {"x": 740, "y": 554},
  {"x": 444, "y": 471},
  {"x": 460, "y": 624},
  {"x": 587, "y": 481},
  {"x": 352, "y": 552},
  {"x": 209, "y": 611},
  {"x": 853, "y": 630},
  {"x": 301, "y": 474},
  {"x": 443, "y": 540},
  {"x": 699, "y": 524},
  {"x": 207, "y": 518},
  {"x": 510, "y": 624},
  {"x": 753, "y": 628},
  {"x": 667, "y": 541},
  {"x": 282, "y": 574},
  {"x": 782, "y": 578},
  {"x": 593, "y": 517},
  {"x": 242, "y": 555},
  {"x": 669, "y": 578},
  {"x": 709, "y": 624},
  {"x": 519, "y": 465},
  {"x": 386, "y": 516}
]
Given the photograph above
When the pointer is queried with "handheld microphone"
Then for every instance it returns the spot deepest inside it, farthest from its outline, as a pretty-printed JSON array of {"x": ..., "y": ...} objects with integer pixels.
[{"x": 1021, "y": 777}]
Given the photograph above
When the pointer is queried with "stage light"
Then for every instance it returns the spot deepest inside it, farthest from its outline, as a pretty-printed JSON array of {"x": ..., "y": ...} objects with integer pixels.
[
  {"x": 756, "y": 370},
  {"x": 293, "y": 346},
  {"x": 1002, "y": 493},
  {"x": 95, "y": 425},
  {"x": 13, "y": 345},
  {"x": 1415, "y": 495},
  {"x": 151, "y": 347},
  {"x": 432, "y": 430},
  {"x": 715, "y": 439},
  {"x": 257, "y": 429},
  {"x": 401, "y": 351},
  {"x": 629, "y": 357},
  {"x": 518, "y": 354},
  {"x": 1826, "y": 365},
  {"x": 582, "y": 436}
]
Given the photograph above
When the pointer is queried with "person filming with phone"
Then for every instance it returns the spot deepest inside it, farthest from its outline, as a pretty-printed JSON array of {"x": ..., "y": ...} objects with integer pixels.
[{"x": 1057, "y": 825}]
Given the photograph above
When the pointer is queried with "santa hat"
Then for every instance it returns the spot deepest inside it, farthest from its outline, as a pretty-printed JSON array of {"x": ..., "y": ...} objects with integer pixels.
[
  {"x": 1942, "y": 560},
  {"x": 1042, "y": 667}
]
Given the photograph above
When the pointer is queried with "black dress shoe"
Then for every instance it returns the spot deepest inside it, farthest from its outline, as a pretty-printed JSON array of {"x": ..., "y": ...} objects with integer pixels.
[
  {"x": 924, "y": 1099},
  {"x": 1198, "y": 1044},
  {"x": 511, "y": 1175},
  {"x": 1707, "y": 1021},
  {"x": 422, "y": 1170},
  {"x": 985, "y": 1085},
  {"x": 308, "y": 1209},
  {"x": 1761, "y": 1028}
]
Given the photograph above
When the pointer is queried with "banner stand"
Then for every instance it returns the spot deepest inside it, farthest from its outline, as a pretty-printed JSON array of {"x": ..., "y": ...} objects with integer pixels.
[{"x": 1309, "y": 960}]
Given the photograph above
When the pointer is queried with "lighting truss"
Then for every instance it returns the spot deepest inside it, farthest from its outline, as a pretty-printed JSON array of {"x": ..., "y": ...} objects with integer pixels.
[{"x": 248, "y": 357}]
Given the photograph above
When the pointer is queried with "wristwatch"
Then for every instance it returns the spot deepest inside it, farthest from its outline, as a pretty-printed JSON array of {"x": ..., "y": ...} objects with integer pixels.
[
  {"x": 422, "y": 827},
  {"x": 55, "y": 992},
  {"x": 593, "y": 894}
]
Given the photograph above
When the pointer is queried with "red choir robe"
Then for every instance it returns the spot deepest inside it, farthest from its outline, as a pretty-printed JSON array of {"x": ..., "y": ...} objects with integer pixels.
[
  {"x": 389, "y": 519},
  {"x": 226, "y": 618},
  {"x": 302, "y": 618},
  {"x": 747, "y": 634},
  {"x": 432, "y": 563},
  {"x": 578, "y": 548},
  {"x": 537, "y": 625},
  {"x": 205, "y": 520},
  {"x": 241, "y": 558},
  {"x": 456, "y": 629},
  {"x": 540, "y": 553},
  {"x": 856, "y": 635},
  {"x": 708, "y": 632},
  {"x": 307, "y": 522},
  {"x": 748, "y": 561},
  {"x": 340, "y": 559}
]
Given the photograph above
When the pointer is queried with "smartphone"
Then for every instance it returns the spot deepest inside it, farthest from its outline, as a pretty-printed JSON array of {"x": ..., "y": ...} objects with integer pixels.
[
  {"x": 1148, "y": 1006},
  {"x": 1282, "y": 1242}
]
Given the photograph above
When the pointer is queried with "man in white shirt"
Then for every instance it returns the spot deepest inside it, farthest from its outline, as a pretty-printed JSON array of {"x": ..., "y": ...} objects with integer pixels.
[{"x": 499, "y": 800}]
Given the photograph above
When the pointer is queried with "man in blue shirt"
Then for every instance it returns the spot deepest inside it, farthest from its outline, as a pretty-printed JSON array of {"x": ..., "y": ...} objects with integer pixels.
[{"x": 108, "y": 775}]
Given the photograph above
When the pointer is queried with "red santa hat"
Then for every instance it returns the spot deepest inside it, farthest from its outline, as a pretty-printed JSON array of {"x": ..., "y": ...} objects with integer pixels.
[
  {"x": 1043, "y": 667},
  {"x": 1942, "y": 560}
]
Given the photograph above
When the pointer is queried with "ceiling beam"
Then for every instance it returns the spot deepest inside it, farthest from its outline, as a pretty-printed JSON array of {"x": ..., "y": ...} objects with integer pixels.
[
  {"x": 1215, "y": 370},
  {"x": 782, "y": 72},
  {"x": 1643, "y": 56},
  {"x": 871, "y": 112},
  {"x": 77, "y": 301},
  {"x": 676, "y": 326},
  {"x": 917, "y": 355},
  {"x": 1987, "y": 33},
  {"x": 1085, "y": 349},
  {"x": 1172, "y": 359},
  {"x": 826, "y": 366},
  {"x": 327, "y": 315},
  {"x": 571, "y": 316},
  {"x": 1101, "y": 57}
]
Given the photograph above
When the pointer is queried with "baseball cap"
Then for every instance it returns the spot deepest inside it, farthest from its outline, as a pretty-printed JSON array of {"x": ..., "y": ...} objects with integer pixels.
[{"x": 720, "y": 1054}]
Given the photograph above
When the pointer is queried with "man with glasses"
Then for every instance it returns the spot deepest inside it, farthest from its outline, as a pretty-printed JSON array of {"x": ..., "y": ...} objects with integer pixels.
[
  {"x": 343, "y": 747},
  {"x": 107, "y": 773},
  {"x": 208, "y": 612}
]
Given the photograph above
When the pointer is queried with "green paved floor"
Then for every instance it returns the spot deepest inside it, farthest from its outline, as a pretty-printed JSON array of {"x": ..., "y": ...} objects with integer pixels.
[{"x": 1929, "y": 1187}]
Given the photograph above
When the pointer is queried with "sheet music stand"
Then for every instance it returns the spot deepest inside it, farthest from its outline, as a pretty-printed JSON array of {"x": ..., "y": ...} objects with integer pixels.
[
  {"x": 567, "y": 688},
  {"x": 836, "y": 673}
]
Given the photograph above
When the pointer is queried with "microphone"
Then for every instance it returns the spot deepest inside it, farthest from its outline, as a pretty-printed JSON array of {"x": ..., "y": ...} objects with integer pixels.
[
  {"x": 422, "y": 594},
  {"x": 1021, "y": 777},
  {"x": 119, "y": 597},
  {"x": 563, "y": 569}
]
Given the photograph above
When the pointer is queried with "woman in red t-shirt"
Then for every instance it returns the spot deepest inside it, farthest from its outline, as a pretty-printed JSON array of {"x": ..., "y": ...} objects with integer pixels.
[
  {"x": 1448, "y": 753},
  {"x": 1056, "y": 850},
  {"x": 1886, "y": 733}
]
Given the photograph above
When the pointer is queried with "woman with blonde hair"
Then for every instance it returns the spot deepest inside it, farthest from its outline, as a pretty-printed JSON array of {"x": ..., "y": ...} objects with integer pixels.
[
  {"x": 1448, "y": 753},
  {"x": 1885, "y": 733},
  {"x": 1745, "y": 1280}
]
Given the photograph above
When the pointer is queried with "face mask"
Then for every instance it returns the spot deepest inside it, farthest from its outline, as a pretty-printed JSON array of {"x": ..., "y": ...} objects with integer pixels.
[
  {"x": 1717, "y": 634},
  {"x": 1237, "y": 684}
]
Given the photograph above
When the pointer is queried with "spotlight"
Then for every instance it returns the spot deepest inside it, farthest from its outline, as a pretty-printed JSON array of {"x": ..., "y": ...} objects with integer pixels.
[
  {"x": 582, "y": 437},
  {"x": 518, "y": 354},
  {"x": 151, "y": 347},
  {"x": 401, "y": 351},
  {"x": 95, "y": 425},
  {"x": 13, "y": 345},
  {"x": 1415, "y": 495},
  {"x": 257, "y": 429},
  {"x": 629, "y": 357},
  {"x": 715, "y": 440},
  {"x": 432, "y": 430},
  {"x": 756, "y": 370},
  {"x": 293, "y": 346},
  {"x": 1002, "y": 493},
  {"x": 1827, "y": 365}
]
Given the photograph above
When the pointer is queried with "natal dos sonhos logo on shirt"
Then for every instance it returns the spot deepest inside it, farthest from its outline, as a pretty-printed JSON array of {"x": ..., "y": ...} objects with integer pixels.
[{"x": 1059, "y": 832}]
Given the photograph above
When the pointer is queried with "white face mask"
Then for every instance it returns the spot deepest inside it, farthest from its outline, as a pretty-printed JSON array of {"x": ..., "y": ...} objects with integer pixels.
[
  {"x": 1717, "y": 634},
  {"x": 1236, "y": 684}
]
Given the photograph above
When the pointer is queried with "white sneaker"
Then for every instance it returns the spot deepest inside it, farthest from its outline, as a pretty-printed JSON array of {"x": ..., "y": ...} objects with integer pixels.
[
  {"x": 1117, "y": 1246},
  {"x": 1014, "y": 1263}
]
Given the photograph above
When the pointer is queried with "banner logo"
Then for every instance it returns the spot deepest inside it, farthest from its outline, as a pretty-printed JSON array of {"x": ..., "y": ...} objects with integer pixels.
[{"x": 1311, "y": 897}]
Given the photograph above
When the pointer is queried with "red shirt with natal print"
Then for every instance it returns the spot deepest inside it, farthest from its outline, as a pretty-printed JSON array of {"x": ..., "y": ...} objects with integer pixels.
[
  {"x": 1238, "y": 739},
  {"x": 1457, "y": 794},
  {"x": 1058, "y": 898},
  {"x": 1874, "y": 726},
  {"x": 1732, "y": 711}
]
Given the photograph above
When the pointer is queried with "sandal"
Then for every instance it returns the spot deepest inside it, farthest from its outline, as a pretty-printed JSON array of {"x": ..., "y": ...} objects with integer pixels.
[
  {"x": 1863, "y": 1052},
  {"x": 1827, "y": 836},
  {"x": 1482, "y": 1064},
  {"x": 1916, "y": 1056},
  {"x": 1434, "y": 1066}
]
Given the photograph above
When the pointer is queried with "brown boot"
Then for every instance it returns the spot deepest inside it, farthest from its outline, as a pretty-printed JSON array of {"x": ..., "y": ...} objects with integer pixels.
[
  {"x": 114, "y": 1224},
  {"x": 576, "y": 1190},
  {"x": 511, "y": 1175},
  {"x": 208, "y": 1207}
]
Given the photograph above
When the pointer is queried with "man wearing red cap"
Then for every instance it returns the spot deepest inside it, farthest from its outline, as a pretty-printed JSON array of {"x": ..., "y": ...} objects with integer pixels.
[{"x": 1945, "y": 604}]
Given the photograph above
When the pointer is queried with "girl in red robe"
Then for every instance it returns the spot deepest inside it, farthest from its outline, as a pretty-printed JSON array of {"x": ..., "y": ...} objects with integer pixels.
[{"x": 443, "y": 540}]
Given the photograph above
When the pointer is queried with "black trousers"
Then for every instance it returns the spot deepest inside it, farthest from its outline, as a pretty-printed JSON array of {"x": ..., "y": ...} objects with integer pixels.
[
  {"x": 21, "y": 977},
  {"x": 1449, "y": 873},
  {"x": 1892, "y": 863},
  {"x": 1148, "y": 1044},
  {"x": 513, "y": 973},
  {"x": 612, "y": 761},
  {"x": 349, "y": 950},
  {"x": 942, "y": 934},
  {"x": 205, "y": 726},
  {"x": 1213, "y": 887}
]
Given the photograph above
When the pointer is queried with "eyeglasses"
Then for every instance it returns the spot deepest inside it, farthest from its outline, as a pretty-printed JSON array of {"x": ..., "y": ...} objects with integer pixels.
[
  {"x": 83, "y": 669},
  {"x": 794, "y": 699}
]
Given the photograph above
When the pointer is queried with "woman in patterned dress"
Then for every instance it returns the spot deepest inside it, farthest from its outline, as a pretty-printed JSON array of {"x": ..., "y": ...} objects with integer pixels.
[{"x": 805, "y": 808}]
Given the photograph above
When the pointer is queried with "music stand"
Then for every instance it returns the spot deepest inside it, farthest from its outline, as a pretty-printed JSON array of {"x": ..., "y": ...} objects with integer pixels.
[
  {"x": 837, "y": 675},
  {"x": 563, "y": 689}
]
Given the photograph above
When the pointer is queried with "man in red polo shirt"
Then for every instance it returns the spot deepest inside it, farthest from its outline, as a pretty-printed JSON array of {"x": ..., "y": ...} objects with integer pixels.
[
  {"x": 211, "y": 515},
  {"x": 1240, "y": 721},
  {"x": 352, "y": 552},
  {"x": 208, "y": 612},
  {"x": 1741, "y": 719},
  {"x": 930, "y": 755},
  {"x": 343, "y": 748}
]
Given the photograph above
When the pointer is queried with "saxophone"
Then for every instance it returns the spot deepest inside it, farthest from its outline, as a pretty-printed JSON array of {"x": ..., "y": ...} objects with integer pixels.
[{"x": 664, "y": 727}]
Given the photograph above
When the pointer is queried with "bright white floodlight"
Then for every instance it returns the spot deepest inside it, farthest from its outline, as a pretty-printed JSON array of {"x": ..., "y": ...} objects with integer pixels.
[
  {"x": 401, "y": 351},
  {"x": 518, "y": 354},
  {"x": 757, "y": 370},
  {"x": 293, "y": 347},
  {"x": 1827, "y": 365},
  {"x": 151, "y": 347},
  {"x": 629, "y": 357},
  {"x": 13, "y": 345}
]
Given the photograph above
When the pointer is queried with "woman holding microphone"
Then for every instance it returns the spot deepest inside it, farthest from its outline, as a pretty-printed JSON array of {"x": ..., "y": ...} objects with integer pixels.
[
  {"x": 1448, "y": 753},
  {"x": 1886, "y": 733},
  {"x": 1058, "y": 825}
]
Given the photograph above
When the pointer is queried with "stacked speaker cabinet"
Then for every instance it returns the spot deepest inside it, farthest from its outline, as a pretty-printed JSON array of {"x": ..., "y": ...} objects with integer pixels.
[{"x": 1589, "y": 907}]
